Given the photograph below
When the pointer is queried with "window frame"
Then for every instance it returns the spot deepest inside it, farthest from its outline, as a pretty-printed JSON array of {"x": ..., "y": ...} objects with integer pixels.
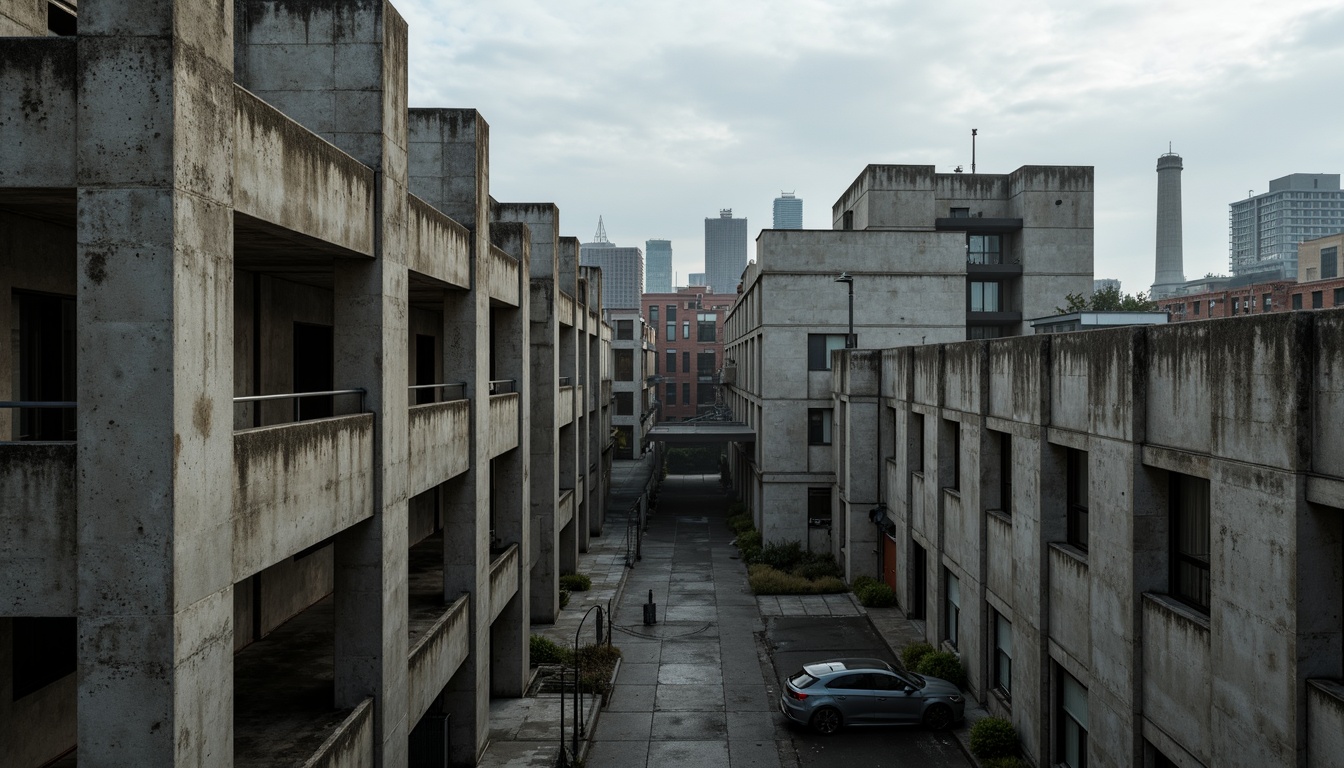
[
  {"x": 1001, "y": 673},
  {"x": 951, "y": 607},
  {"x": 1077, "y": 479},
  {"x": 1063, "y": 716},
  {"x": 1186, "y": 491},
  {"x": 819, "y": 426},
  {"x": 819, "y": 348}
]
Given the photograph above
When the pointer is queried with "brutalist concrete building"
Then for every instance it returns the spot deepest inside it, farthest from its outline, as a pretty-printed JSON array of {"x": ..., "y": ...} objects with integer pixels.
[
  {"x": 300, "y": 426},
  {"x": 1133, "y": 538},
  {"x": 932, "y": 257}
]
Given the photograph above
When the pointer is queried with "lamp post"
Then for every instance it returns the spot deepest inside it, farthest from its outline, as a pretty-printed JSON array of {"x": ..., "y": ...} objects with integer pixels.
[{"x": 846, "y": 278}]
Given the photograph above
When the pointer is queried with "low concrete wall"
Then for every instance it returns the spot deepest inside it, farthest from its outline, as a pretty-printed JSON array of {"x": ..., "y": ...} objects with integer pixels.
[
  {"x": 1327, "y": 455},
  {"x": 351, "y": 746},
  {"x": 297, "y": 484},
  {"x": 564, "y": 308},
  {"x": 440, "y": 443},
  {"x": 1325, "y": 723},
  {"x": 503, "y": 423},
  {"x": 503, "y": 580},
  {"x": 1070, "y": 598},
  {"x": 287, "y": 176},
  {"x": 501, "y": 277},
  {"x": 37, "y": 78},
  {"x": 1177, "y": 674},
  {"x": 999, "y": 556},
  {"x": 564, "y": 511},
  {"x": 436, "y": 657},
  {"x": 436, "y": 245},
  {"x": 565, "y": 403},
  {"x": 38, "y": 517}
]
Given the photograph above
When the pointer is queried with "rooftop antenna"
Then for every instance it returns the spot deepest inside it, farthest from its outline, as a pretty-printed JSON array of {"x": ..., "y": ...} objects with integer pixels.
[
  {"x": 973, "y": 132},
  {"x": 601, "y": 236}
]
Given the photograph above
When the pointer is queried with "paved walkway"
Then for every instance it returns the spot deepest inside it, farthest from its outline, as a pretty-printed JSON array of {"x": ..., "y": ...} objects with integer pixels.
[{"x": 694, "y": 688}]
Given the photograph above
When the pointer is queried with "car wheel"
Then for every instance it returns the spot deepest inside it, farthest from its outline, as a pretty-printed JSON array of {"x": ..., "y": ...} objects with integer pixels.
[
  {"x": 826, "y": 721},
  {"x": 938, "y": 717}
]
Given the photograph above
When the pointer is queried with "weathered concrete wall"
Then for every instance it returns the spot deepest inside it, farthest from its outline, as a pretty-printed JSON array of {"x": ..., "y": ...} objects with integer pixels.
[
  {"x": 37, "y": 482},
  {"x": 440, "y": 437},
  {"x": 500, "y": 277},
  {"x": 503, "y": 434},
  {"x": 504, "y": 580},
  {"x": 298, "y": 484},
  {"x": 1325, "y": 724},
  {"x": 352, "y": 745},
  {"x": 437, "y": 246},
  {"x": 20, "y": 18},
  {"x": 1178, "y": 674},
  {"x": 1327, "y": 450},
  {"x": 436, "y": 657},
  {"x": 37, "y": 109}
]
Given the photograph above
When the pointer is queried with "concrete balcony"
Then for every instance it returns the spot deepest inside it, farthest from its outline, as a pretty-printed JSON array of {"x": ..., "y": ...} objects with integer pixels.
[
  {"x": 565, "y": 405},
  {"x": 503, "y": 580},
  {"x": 440, "y": 443},
  {"x": 501, "y": 277},
  {"x": 40, "y": 137},
  {"x": 503, "y": 423},
  {"x": 1325, "y": 722},
  {"x": 565, "y": 309},
  {"x": 38, "y": 516},
  {"x": 436, "y": 655},
  {"x": 564, "y": 509},
  {"x": 298, "y": 484},
  {"x": 437, "y": 246}
]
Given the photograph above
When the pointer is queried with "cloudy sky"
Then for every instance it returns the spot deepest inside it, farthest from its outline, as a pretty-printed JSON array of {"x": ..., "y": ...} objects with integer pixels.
[{"x": 656, "y": 115}]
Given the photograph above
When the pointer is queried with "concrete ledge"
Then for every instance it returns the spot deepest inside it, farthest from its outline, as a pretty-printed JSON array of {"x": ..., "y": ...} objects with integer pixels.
[
  {"x": 436, "y": 656},
  {"x": 564, "y": 308},
  {"x": 500, "y": 277},
  {"x": 564, "y": 510},
  {"x": 1325, "y": 722},
  {"x": 565, "y": 401},
  {"x": 38, "y": 575},
  {"x": 436, "y": 245},
  {"x": 503, "y": 580},
  {"x": 1325, "y": 490},
  {"x": 440, "y": 443},
  {"x": 351, "y": 746},
  {"x": 503, "y": 423}
]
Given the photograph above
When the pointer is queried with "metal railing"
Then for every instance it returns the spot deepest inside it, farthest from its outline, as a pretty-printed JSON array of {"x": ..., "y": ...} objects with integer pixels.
[
  {"x": 503, "y": 386},
  {"x": 38, "y": 404},
  {"x": 566, "y": 381},
  {"x": 298, "y": 398},
  {"x": 459, "y": 386}
]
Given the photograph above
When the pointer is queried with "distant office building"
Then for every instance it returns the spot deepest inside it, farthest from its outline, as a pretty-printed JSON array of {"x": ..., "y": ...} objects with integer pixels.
[
  {"x": 788, "y": 211},
  {"x": 1265, "y": 229},
  {"x": 695, "y": 278},
  {"x": 689, "y": 325},
  {"x": 725, "y": 251},
  {"x": 1105, "y": 283},
  {"x": 658, "y": 266},
  {"x": 622, "y": 270}
]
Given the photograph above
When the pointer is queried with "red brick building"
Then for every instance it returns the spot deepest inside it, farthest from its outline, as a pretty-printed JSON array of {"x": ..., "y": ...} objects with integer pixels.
[
  {"x": 689, "y": 326},
  {"x": 1277, "y": 296}
]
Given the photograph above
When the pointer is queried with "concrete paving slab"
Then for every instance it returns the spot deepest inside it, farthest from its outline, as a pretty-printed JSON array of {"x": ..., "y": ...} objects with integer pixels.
[
  {"x": 639, "y": 674},
  {"x": 689, "y": 698},
  {"x": 618, "y": 754},
  {"x": 703, "y": 753},
  {"x": 689, "y": 726},
  {"x": 632, "y": 698},
  {"x": 627, "y": 726},
  {"x": 758, "y": 754},
  {"x": 688, "y": 674},
  {"x": 747, "y": 698}
]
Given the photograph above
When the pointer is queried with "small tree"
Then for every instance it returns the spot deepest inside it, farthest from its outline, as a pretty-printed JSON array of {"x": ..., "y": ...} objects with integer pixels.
[{"x": 1107, "y": 300}]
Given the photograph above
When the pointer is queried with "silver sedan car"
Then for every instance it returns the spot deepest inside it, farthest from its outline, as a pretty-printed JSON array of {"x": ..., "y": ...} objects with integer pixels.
[{"x": 830, "y": 694}]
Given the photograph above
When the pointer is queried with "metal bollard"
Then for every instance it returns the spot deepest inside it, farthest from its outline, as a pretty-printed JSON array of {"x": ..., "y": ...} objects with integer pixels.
[{"x": 650, "y": 611}]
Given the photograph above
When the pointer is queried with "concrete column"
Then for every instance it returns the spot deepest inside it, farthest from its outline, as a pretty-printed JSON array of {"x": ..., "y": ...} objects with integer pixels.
[{"x": 155, "y": 309}]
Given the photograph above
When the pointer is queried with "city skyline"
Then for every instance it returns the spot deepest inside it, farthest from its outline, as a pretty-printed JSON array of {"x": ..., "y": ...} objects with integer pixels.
[{"x": 711, "y": 111}]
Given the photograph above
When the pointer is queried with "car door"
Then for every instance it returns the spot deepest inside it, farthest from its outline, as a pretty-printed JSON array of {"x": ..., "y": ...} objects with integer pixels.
[
  {"x": 852, "y": 695},
  {"x": 897, "y": 699}
]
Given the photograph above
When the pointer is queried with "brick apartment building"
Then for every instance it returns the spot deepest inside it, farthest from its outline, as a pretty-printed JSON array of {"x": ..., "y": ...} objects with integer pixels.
[
  {"x": 689, "y": 325},
  {"x": 1319, "y": 285}
]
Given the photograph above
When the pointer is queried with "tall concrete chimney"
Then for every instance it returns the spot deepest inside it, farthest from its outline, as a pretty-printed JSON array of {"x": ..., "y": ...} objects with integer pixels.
[{"x": 1170, "y": 272}]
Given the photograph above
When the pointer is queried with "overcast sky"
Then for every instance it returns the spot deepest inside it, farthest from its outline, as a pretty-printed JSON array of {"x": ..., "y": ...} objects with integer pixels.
[{"x": 656, "y": 115}]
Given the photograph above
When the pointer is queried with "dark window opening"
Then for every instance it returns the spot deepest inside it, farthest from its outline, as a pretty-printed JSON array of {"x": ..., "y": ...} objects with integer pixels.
[
  {"x": 1330, "y": 262},
  {"x": 819, "y": 346},
  {"x": 704, "y": 363},
  {"x": 1317, "y": 299},
  {"x": 1003, "y": 653},
  {"x": 952, "y": 609},
  {"x": 686, "y": 393},
  {"x": 704, "y": 394},
  {"x": 686, "y": 361},
  {"x": 314, "y": 354},
  {"x": 1077, "y": 498},
  {"x": 43, "y": 650},
  {"x": 61, "y": 22},
  {"x": 847, "y": 220},
  {"x": 625, "y": 330},
  {"x": 1297, "y": 301},
  {"x": 625, "y": 365},
  {"x": 47, "y": 371},
  {"x": 819, "y": 511},
  {"x": 625, "y": 403},
  {"x": 1006, "y": 473},
  {"x": 671, "y": 361},
  {"x": 1071, "y": 722},
  {"x": 819, "y": 426},
  {"x": 1189, "y": 508},
  {"x": 426, "y": 371},
  {"x": 671, "y": 394},
  {"x": 916, "y": 442}
]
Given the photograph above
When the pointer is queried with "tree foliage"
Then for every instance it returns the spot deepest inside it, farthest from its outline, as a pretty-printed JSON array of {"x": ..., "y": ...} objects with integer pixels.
[{"x": 1107, "y": 300}]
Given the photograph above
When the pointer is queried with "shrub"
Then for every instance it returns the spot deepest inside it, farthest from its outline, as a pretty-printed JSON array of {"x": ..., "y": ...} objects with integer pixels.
[
  {"x": 945, "y": 665},
  {"x": 818, "y": 568},
  {"x": 993, "y": 737},
  {"x": 737, "y": 508},
  {"x": 877, "y": 596},
  {"x": 1003, "y": 762},
  {"x": 740, "y": 523},
  {"x": 597, "y": 663},
  {"x": 564, "y": 598},
  {"x": 749, "y": 544},
  {"x": 547, "y": 651},
  {"x": 576, "y": 582},
  {"x": 863, "y": 582},
  {"x": 914, "y": 653},
  {"x": 784, "y": 557},
  {"x": 765, "y": 580}
]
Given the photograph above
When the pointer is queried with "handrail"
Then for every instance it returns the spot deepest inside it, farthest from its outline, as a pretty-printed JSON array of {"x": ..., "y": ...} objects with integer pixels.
[
  {"x": 38, "y": 404},
  {"x": 297, "y": 397},
  {"x": 460, "y": 385},
  {"x": 566, "y": 381},
  {"x": 503, "y": 386}
]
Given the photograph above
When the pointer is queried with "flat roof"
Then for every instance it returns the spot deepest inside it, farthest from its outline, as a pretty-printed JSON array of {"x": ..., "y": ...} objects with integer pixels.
[{"x": 702, "y": 432}]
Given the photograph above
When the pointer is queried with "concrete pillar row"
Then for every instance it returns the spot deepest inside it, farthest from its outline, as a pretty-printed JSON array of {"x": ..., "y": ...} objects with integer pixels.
[{"x": 155, "y": 327}]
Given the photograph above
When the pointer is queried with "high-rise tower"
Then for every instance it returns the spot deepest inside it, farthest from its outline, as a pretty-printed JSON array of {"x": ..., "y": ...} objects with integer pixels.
[
  {"x": 658, "y": 266},
  {"x": 725, "y": 251},
  {"x": 788, "y": 211},
  {"x": 622, "y": 270},
  {"x": 1170, "y": 271}
]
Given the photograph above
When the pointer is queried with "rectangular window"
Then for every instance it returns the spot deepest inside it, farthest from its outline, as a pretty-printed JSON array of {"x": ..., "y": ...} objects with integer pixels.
[
  {"x": 1297, "y": 301},
  {"x": 819, "y": 512},
  {"x": 671, "y": 331},
  {"x": 1005, "y": 473},
  {"x": 1198, "y": 306},
  {"x": 653, "y": 316},
  {"x": 707, "y": 329},
  {"x": 952, "y": 609},
  {"x": 984, "y": 297},
  {"x": 686, "y": 393},
  {"x": 671, "y": 361},
  {"x": 847, "y": 220},
  {"x": 1330, "y": 262},
  {"x": 1003, "y": 653},
  {"x": 46, "y": 364},
  {"x": 625, "y": 365},
  {"x": 671, "y": 394},
  {"x": 961, "y": 213},
  {"x": 916, "y": 442},
  {"x": 672, "y": 313},
  {"x": 1266, "y": 301},
  {"x": 625, "y": 403},
  {"x": 1189, "y": 508},
  {"x": 983, "y": 249},
  {"x": 819, "y": 346},
  {"x": 704, "y": 363},
  {"x": 685, "y": 329},
  {"x": 686, "y": 361},
  {"x": 1317, "y": 299},
  {"x": 704, "y": 394},
  {"x": 625, "y": 330},
  {"x": 1236, "y": 306},
  {"x": 1071, "y": 719},
  {"x": 819, "y": 426},
  {"x": 952, "y": 439},
  {"x": 44, "y": 650},
  {"x": 1339, "y": 297},
  {"x": 1077, "y": 491}
]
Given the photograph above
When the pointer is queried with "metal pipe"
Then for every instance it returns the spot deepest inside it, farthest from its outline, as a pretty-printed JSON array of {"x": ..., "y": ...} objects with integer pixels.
[
  {"x": 258, "y": 398},
  {"x": 38, "y": 404}
]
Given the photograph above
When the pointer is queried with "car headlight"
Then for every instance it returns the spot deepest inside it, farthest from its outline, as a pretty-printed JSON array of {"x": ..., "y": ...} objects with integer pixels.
[{"x": 954, "y": 698}]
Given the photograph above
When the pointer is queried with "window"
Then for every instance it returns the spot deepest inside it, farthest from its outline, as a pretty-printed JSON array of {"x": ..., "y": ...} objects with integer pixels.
[
  {"x": 952, "y": 609},
  {"x": 625, "y": 365},
  {"x": 1071, "y": 722},
  {"x": 653, "y": 316},
  {"x": 46, "y": 364},
  {"x": 1297, "y": 301},
  {"x": 704, "y": 363},
  {"x": 686, "y": 393},
  {"x": 686, "y": 361},
  {"x": 1005, "y": 473},
  {"x": 672, "y": 313},
  {"x": 1003, "y": 653},
  {"x": 984, "y": 297},
  {"x": 1316, "y": 299},
  {"x": 1265, "y": 302},
  {"x": 685, "y": 329},
  {"x": 983, "y": 332},
  {"x": 1198, "y": 306},
  {"x": 1330, "y": 262},
  {"x": 671, "y": 394},
  {"x": 916, "y": 442},
  {"x": 952, "y": 439},
  {"x": 1236, "y": 305},
  {"x": 671, "y": 361},
  {"x": 847, "y": 220},
  {"x": 961, "y": 213},
  {"x": 819, "y": 346},
  {"x": 1077, "y": 492},
  {"x": 1339, "y": 297},
  {"x": 707, "y": 329},
  {"x": 44, "y": 651},
  {"x": 983, "y": 249},
  {"x": 819, "y": 426},
  {"x": 671, "y": 331},
  {"x": 625, "y": 329},
  {"x": 1189, "y": 506},
  {"x": 819, "y": 512},
  {"x": 704, "y": 394},
  {"x": 625, "y": 403}
]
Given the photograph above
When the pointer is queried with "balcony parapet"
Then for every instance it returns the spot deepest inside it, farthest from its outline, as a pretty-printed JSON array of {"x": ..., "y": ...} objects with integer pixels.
[
  {"x": 503, "y": 423},
  {"x": 440, "y": 443},
  {"x": 436, "y": 656},
  {"x": 565, "y": 406},
  {"x": 503, "y": 580},
  {"x": 351, "y": 746},
  {"x": 38, "y": 551},
  {"x": 564, "y": 508},
  {"x": 501, "y": 276}
]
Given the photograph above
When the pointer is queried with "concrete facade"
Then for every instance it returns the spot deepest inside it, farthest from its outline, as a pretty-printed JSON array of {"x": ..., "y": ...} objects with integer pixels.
[
  {"x": 903, "y": 233},
  {"x": 206, "y": 568},
  {"x": 1265, "y": 229},
  {"x": 634, "y": 392},
  {"x": 1047, "y": 505}
]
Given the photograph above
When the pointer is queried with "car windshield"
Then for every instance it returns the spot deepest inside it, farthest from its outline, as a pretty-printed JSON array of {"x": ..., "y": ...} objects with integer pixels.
[
  {"x": 802, "y": 680},
  {"x": 911, "y": 678}
]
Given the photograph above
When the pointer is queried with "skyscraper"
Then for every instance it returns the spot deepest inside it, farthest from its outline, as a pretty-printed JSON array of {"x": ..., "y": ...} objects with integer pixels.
[
  {"x": 658, "y": 266},
  {"x": 725, "y": 251},
  {"x": 622, "y": 270},
  {"x": 1265, "y": 229},
  {"x": 788, "y": 211},
  {"x": 1170, "y": 275}
]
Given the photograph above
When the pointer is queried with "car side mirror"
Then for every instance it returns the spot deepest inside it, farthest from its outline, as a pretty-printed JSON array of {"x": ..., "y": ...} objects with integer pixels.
[{"x": 908, "y": 689}]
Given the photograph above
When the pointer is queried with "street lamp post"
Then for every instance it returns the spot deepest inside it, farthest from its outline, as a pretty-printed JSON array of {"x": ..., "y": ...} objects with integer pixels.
[{"x": 845, "y": 277}]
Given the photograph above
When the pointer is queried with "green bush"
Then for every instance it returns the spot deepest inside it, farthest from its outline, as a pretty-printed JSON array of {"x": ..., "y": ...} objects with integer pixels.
[
  {"x": 576, "y": 582},
  {"x": 877, "y": 595},
  {"x": 547, "y": 651},
  {"x": 993, "y": 737},
  {"x": 1003, "y": 762},
  {"x": 564, "y": 598},
  {"x": 597, "y": 663},
  {"x": 784, "y": 557},
  {"x": 945, "y": 665},
  {"x": 695, "y": 460},
  {"x": 818, "y": 568},
  {"x": 863, "y": 582},
  {"x": 765, "y": 580},
  {"x": 740, "y": 523},
  {"x": 914, "y": 653},
  {"x": 737, "y": 508},
  {"x": 749, "y": 544}
]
